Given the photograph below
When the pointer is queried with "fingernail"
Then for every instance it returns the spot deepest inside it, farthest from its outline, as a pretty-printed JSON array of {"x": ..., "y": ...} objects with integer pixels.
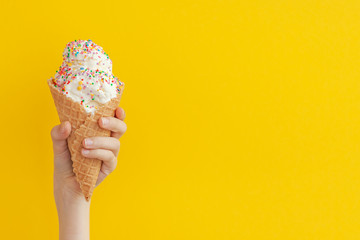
[
  {"x": 88, "y": 142},
  {"x": 85, "y": 151},
  {"x": 104, "y": 121}
]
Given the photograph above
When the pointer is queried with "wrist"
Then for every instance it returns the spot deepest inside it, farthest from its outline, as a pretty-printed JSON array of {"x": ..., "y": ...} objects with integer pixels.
[
  {"x": 67, "y": 190},
  {"x": 65, "y": 200},
  {"x": 73, "y": 212},
  {"x": 73, "y": 220}
]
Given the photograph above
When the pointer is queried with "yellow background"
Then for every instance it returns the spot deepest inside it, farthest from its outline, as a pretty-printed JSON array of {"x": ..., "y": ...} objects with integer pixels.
[{"x": 243, "y": 118}]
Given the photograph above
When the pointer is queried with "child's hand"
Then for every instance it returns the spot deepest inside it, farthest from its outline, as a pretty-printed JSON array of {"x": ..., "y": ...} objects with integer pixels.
[{"x": 105, "y": 149}]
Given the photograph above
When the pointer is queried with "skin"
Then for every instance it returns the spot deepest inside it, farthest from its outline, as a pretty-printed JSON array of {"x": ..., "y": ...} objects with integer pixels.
[{"x": 73, "y": 209}]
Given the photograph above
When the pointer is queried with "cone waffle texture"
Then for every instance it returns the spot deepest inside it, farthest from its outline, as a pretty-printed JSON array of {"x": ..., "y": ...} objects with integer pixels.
[{"x": 83, "y": 125}]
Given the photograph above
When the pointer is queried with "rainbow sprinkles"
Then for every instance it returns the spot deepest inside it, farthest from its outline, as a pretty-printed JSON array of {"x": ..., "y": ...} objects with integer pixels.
[{"x": 86, "y": 75}]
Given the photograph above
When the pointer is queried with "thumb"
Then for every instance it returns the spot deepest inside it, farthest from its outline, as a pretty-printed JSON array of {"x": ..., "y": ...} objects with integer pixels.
[{"x": 59, "y": 134}]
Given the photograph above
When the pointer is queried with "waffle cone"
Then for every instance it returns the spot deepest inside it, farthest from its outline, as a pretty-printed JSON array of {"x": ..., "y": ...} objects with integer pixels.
[{"x": 83, "y": 125}]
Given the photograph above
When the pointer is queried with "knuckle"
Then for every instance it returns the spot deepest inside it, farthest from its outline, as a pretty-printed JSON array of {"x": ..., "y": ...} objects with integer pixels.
[
  {"x": 115, "y": 163},
  {"x": 109, "y": 156},
  {"x": 107, "y": 171},
  {"x": 53, "y": 132},
  {"x": 117, "y": 143},
  {"x": 124, "y": 127}
]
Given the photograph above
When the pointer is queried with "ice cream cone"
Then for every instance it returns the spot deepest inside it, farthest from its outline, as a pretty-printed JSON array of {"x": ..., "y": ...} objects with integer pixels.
[{"x": 83, "y": 125}]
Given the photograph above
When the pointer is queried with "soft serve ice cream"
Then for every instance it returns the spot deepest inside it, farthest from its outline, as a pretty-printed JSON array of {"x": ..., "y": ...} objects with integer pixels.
[{"x": 86, "y": 76}]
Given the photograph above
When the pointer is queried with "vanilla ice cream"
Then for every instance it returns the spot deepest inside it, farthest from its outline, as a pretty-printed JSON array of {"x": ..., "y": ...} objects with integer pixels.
[{"x": 86, "y": 76}]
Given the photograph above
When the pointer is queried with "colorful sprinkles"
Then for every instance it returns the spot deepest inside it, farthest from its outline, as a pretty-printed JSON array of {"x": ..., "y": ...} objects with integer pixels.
[{"x": 89, "y": 67}]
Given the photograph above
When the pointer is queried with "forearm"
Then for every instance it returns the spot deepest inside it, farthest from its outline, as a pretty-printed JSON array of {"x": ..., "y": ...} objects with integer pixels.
[{"x": 73, "y": 214}]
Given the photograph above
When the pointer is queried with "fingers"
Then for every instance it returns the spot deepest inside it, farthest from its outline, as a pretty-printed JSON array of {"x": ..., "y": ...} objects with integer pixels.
[
  {"x": 106, "y": 148},
  {"x": 120, "y": 113},
  {"x": 107, "y": 143},
  {"x": 107, "y": 156},
  {"x": 101, "y": 154},
  {"x": 59, "y": 134},
  {"x": 117, "y": 126},
  {"x": 118, "y": 135}
]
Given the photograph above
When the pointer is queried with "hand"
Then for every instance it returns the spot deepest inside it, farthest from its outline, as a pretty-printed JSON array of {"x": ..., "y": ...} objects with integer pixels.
[
  {"x": 73, "y": 209},
  {"x": 105, "y": 149}
]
